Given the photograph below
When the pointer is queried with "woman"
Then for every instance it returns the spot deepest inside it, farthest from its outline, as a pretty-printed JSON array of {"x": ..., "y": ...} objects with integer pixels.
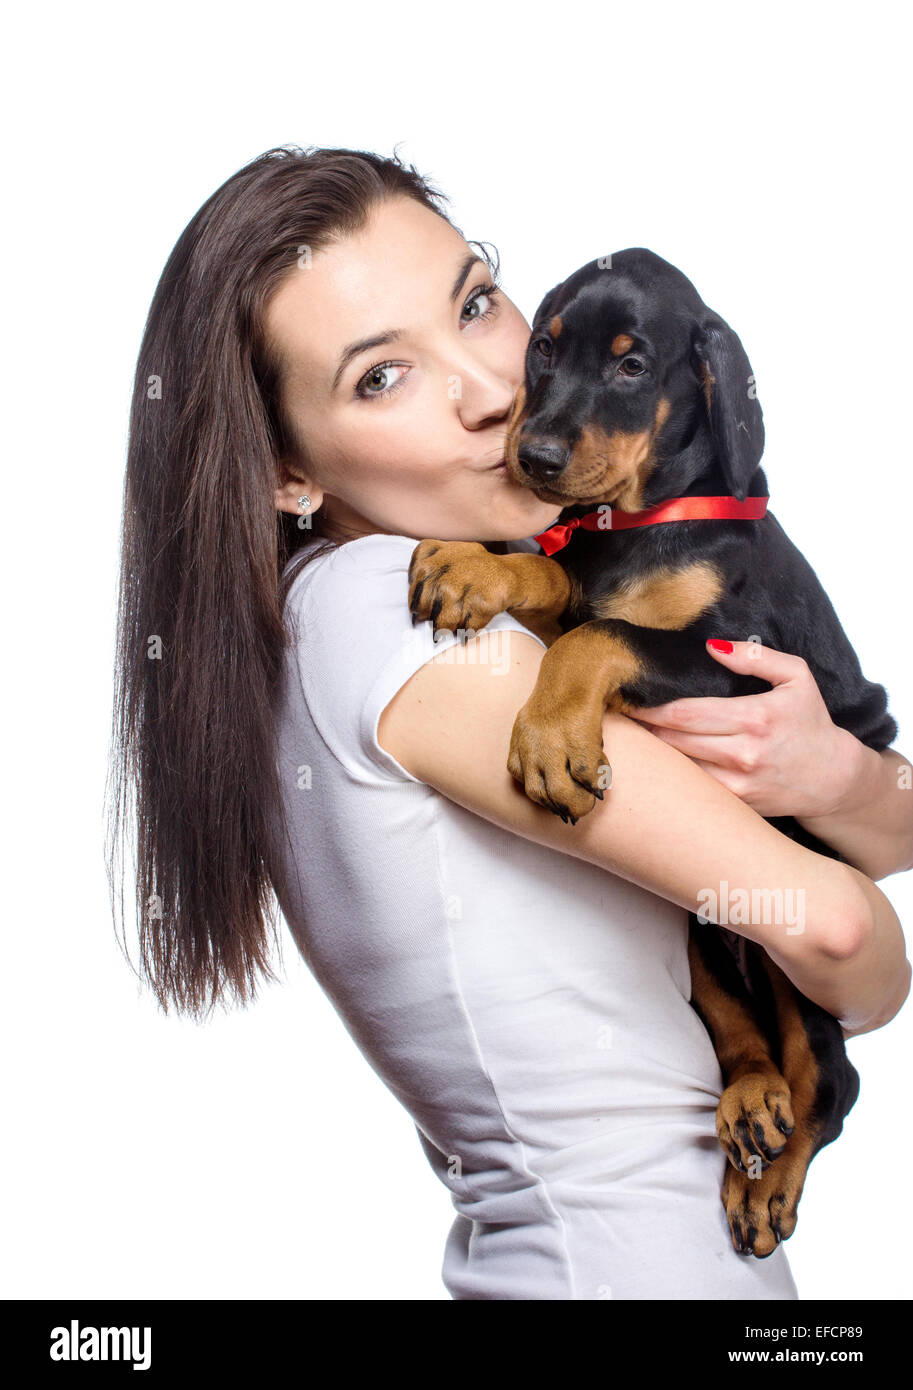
[{"x": 325, "y": 348}]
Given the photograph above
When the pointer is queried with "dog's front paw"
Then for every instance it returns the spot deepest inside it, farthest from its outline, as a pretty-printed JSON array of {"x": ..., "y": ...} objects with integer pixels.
[
  {"x": 763, "y": 1210},
  {"x": 754, "y": 1119},
  {"x": 557, "y": 754},
  {"x": 458, "y": 585}
]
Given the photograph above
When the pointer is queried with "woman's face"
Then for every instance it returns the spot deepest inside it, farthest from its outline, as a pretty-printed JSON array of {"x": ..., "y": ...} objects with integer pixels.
[{"x": 400, "y": 370}]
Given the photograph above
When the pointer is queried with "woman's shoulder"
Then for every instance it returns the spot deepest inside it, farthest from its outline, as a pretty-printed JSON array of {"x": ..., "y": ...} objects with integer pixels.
[
  {"x": 318, "y": 553},
  {"x": 360, "y": 590},
  {"x": 356, "y": 582},
  {"x": 380, "y": 552},
  {"x": 354, "y": 639}
]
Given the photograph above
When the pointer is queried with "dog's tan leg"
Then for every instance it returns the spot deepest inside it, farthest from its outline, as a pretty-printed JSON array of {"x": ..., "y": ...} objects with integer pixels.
[
  {"x": 556, "y": 745},
  {"x": 461, "y": 585},
  {"x": 823, "y": 1086},
  {"x": 754, "y": 1117}
]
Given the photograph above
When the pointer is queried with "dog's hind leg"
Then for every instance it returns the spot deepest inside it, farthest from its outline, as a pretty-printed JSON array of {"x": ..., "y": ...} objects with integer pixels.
[
  {"x": 823, "y": 1086},
  {"x": 754, "y": 1118}
]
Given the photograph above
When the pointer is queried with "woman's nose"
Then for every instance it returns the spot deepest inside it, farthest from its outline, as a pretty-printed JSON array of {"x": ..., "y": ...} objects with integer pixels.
[{"x": 483, "y": 397}]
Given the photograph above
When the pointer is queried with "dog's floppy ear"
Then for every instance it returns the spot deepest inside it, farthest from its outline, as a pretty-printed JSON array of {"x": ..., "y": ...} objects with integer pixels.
[
  {"x": 545, "y": 308},
  {"x": 733, "y": 408}
]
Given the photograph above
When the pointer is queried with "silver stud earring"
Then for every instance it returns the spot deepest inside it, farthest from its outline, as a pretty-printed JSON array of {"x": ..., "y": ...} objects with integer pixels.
[{"x": 304, "y": 502}]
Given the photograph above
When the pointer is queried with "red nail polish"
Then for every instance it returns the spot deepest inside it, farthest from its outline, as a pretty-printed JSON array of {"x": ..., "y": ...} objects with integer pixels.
[{"x": 719, "y": 644}]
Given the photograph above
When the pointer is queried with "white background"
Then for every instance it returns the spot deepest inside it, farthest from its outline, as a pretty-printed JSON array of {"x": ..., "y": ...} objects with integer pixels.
[{"x": 764, "y": 150}]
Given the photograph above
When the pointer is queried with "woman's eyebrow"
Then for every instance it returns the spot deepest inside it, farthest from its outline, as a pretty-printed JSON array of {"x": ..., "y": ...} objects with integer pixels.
[
  {"x": 362, "y": 345},
  {"x": 379, "y": 339},
  {"x": 464, "y": 270}
]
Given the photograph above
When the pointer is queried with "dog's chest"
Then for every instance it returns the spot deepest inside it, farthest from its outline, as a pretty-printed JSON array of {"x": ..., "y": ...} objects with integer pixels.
[{"x": 665, "y": 596}]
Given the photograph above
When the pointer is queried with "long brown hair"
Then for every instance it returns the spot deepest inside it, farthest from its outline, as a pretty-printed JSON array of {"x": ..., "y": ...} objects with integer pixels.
[{"x": 205, "y": 571}]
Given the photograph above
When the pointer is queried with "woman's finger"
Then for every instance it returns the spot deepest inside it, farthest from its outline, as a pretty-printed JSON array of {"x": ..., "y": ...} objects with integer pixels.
[
  {"x": 706, "y": 714},
  {"x": 754, "y": 659},
  {"x": 735, "y": 781},
  {"x": 710, "y": 714},
  {"x": 724, "y": 751}
]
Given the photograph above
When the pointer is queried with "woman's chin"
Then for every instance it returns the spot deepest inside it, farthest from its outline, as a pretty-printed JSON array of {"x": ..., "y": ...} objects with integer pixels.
[
  {"x": 539, "y": 515},
  {"x": 518, "y": 524},
  {"x": 535, "y": 513}
]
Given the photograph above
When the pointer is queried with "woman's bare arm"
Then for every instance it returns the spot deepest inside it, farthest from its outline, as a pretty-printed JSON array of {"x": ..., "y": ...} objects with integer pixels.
[
  {"x": 782, "y": 754},
  {"x": 871, "y": 820},
  {"x": 664, "y": 824}
]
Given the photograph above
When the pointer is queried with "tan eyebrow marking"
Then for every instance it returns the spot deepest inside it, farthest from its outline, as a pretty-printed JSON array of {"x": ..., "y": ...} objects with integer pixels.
[
  {"x": 622, "y": 342},
  {"x": 555, "y": 325}
]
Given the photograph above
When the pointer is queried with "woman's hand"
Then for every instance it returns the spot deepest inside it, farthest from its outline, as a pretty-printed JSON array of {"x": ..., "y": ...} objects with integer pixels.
[
  {"x": 782, "y": 754},
  {"x": 779, "y": 751}
]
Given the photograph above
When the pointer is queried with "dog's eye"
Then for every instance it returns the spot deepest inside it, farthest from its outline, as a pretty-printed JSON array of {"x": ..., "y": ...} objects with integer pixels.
[
  {"x": 544, "y": 346},
  {"x": 631, "y": 366}
]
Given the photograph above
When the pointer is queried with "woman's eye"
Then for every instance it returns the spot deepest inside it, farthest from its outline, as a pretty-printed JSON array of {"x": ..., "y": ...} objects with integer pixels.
[
  {"x": 472, "y": 309},
  {"x": 480, "y": 304},
  {"x": 377, "y": 381}
]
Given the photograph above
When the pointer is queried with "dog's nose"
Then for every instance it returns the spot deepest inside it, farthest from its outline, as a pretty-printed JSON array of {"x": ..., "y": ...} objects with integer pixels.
[{"x": 543, "y": 458}]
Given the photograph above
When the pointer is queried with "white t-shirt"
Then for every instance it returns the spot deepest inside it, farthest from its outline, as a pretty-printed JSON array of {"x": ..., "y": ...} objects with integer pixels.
[{"x": 528, "y": 1009}]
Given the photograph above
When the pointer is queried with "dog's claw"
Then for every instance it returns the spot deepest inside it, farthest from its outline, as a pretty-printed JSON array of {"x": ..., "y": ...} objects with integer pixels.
[{"x": 452, "y": 581}]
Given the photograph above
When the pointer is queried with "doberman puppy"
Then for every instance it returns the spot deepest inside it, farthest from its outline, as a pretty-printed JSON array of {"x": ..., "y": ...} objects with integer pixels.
[{"x": 636, "y": 396}]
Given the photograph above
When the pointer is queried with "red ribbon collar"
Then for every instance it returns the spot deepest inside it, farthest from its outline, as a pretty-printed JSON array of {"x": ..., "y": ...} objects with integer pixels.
[{"x": 676, "y": 509}]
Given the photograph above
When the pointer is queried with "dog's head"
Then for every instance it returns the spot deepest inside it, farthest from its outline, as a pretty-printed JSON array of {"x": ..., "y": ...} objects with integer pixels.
[{"x": 624, "y": 364}]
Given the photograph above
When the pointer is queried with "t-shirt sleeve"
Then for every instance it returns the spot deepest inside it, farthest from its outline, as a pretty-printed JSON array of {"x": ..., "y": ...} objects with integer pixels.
[{"x": 357, "y": 645}]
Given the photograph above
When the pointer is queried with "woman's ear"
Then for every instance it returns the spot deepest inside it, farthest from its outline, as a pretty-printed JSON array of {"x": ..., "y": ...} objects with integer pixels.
[{"x": 298, "y": 495}]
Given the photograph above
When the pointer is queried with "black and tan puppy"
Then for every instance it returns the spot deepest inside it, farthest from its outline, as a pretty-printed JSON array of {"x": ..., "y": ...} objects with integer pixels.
[{"x": 639, "y": 418}]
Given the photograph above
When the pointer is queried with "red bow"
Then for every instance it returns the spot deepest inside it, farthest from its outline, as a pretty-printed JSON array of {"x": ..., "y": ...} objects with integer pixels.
[{"x": 676, "y": 509}]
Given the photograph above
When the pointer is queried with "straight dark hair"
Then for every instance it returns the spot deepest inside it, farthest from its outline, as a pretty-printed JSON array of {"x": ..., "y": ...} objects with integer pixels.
[{"x": 205, "y": 570}]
